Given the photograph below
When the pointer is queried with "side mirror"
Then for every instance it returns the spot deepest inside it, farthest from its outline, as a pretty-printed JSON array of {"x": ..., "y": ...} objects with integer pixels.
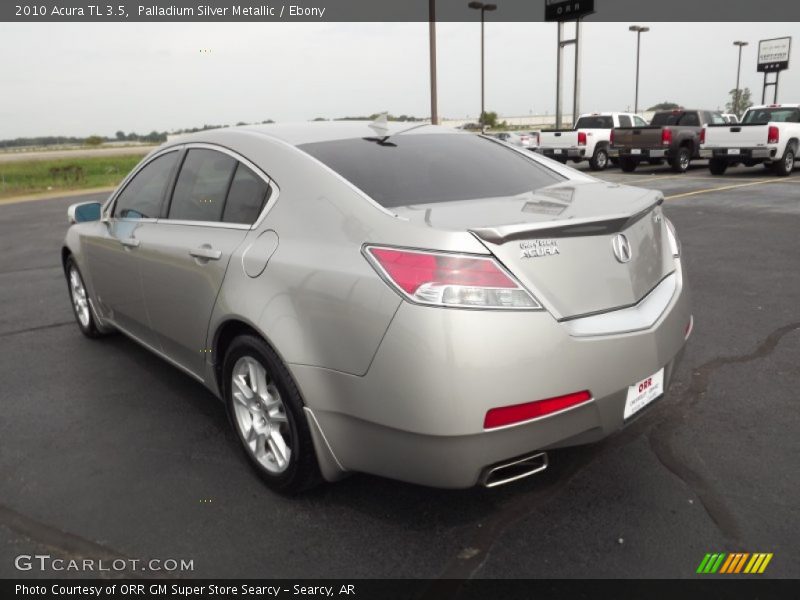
[{"x": 84, "y": 211}]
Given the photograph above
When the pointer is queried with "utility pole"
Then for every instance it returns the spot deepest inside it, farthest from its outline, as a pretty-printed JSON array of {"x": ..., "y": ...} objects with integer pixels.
[
  {"x": 483, "y": 8},
  {"x": 432, "y": 36},
  {"x": 639, "y": 31},
  {"x": 737, "y": 96}
]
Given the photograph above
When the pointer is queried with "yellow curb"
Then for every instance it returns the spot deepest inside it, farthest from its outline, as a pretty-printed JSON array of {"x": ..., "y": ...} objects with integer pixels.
[{"x": 55, "y": 194}]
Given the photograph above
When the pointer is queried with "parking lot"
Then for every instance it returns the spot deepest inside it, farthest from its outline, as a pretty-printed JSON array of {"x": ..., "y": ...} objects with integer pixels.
[{"x": 106, "y": 451}]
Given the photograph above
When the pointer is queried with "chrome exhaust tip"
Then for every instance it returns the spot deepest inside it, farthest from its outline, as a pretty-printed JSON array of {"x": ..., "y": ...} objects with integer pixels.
[{"x": 514, "y": 470}]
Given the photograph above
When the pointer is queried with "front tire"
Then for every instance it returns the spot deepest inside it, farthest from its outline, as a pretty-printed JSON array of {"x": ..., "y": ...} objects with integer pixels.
[
  {"x": 81, "y": 307},
  {"x": 627, "y": 164},
  {"x": 785, "y": 166},
  {"x": 599, "y": 160},
  {"x": 717, "y": 166},
  {"x": 266, "y": 410}
]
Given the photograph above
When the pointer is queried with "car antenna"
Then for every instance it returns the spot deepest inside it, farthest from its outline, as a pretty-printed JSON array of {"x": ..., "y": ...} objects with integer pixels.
[{"x": 381, "y": 127}]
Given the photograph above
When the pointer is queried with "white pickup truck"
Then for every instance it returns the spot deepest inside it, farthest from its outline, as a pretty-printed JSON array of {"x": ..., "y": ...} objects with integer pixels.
[
  {"x": 589, "y": 140},
  {"x": 767, "y": 134}
]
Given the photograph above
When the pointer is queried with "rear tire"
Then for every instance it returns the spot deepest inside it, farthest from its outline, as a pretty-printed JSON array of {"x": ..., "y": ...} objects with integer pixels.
[
  {"x": 627, "y": 164},
  {"x": 785, "y": 166},
  {"x": 682, "y": 160},
  {"x": 266, "y": 411},
  {"x": 81, "y": 306},
  {"x": 717, "y": 166},
  {"x": 599, "y": 161}
]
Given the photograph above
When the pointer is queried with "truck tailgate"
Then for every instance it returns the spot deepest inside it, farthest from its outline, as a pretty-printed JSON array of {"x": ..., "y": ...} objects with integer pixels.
[
  {"x": 637, "y": 137},
  {"x": 558, "y": 139},
  {"x": 735, "y": 136}
]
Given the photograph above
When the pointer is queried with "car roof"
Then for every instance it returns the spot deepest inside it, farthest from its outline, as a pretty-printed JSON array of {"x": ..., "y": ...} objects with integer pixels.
[{"x": 297, "y": 134}]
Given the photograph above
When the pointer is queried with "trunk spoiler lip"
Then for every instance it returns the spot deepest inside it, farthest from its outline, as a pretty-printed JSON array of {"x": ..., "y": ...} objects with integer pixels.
[{"x": 590, "y": 226}]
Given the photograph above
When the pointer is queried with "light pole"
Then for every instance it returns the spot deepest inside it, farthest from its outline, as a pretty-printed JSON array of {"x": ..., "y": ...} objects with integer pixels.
[
  {"x": 483, "y": 8},
  {"x": 738, "y": 73},
  {"x": 432, "y": 50},
  {"x": 639, "y": 31}
]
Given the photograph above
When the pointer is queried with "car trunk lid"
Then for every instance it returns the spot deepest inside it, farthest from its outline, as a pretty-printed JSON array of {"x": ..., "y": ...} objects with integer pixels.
[{"x": 559, "y": 242}]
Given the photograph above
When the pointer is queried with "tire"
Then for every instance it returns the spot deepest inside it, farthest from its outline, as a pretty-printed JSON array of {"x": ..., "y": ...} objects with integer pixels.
[
  {"x": 681, "y": 162},
  {"x": 655, "y": 162},
  {"x": 627, "y": 164},
  {"x": 785, "y": 166},
  {"x": 599, "y": 161},
  {"x": 81, "y": 307},
  {"x": 717, "y": 166},
  {"x": 264, "y": 406}
]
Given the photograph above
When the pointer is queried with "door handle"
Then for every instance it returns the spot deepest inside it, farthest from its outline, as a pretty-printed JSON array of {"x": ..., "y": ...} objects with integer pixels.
[
  {"x": 130, "y": 242},
  {"x": 206, "y": 253}
]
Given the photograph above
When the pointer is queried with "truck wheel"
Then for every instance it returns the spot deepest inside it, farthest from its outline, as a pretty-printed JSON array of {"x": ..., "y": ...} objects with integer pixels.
[
  {"x": 627, "y": 164},
  {"x": 785, "y": 166},
  {"x": 599, "y": 160},
  {"x": 682, "y": 160},
  {"x": 717, "y": 166}
]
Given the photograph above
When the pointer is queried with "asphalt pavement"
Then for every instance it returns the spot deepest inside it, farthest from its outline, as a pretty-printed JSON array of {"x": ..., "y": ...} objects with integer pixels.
[{"x": 106, "y": 451}]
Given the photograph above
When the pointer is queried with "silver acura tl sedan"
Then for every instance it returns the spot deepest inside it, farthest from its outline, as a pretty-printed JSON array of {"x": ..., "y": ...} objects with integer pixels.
[{"x": 418, "y": 303}]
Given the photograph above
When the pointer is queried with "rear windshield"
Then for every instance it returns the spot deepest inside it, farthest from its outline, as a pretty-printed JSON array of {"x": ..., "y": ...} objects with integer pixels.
[
  {"x": 595, "y": 123},
  {"x": 428, "y": 168},
  {"x": 663, "y": 119},
  {"x": 765, "y": 115}
]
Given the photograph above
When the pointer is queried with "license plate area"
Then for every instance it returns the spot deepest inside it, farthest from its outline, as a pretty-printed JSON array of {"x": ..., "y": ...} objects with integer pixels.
[
  {"x": 636, "y": 151},
  {"x": 734, "y": 151},
  {"x": 644, "y": 392}
]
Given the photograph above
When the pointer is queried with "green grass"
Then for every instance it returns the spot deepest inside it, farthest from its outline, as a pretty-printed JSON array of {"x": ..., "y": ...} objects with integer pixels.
[{"x": 18, "y": 178}]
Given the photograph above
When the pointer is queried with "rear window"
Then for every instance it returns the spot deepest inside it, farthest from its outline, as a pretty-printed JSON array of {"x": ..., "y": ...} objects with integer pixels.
[
  {"x": 664, "y": 119},
  {"x": 776, "y": 115},
  {"x": 429, "y": 168},
  {"x": 595, "y": 122}
]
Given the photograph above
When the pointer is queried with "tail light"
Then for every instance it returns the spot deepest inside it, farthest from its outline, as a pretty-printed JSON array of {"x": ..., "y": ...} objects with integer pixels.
[
  {"x": 508, "y": 415},
  {"x": 703, "y": 135},
  {"x": 611, "y": 138},
  {"x": 456, "y": 280},
  {"x": 774, "y": 135},
  {"x": 581, "y": 138},
  {"x": 536, "y": 138},
  {"x": 666, "y": 136}
]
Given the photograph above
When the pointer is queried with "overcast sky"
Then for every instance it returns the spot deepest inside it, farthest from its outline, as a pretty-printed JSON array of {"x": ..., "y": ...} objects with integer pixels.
[{"x": 90, "y": 78}]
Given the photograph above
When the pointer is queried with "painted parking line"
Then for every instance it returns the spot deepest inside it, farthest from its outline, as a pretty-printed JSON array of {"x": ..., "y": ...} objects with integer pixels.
[{"x": 724, "y": 187}]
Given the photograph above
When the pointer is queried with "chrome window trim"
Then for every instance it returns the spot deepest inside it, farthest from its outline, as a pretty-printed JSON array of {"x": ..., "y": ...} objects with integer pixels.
[
  {"x": 112, "y": 199},
  {"x": 271, "y": 185}
]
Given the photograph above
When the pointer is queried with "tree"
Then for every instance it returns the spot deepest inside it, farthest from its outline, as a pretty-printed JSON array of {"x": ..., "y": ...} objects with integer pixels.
[
  {"x": 120, "y": 135},
  {"x": 489, "y": 118},
  {"x": 664, "y": 106},
  {"x": 744, "y": 101},
  {"x": 94, "y": 140}
]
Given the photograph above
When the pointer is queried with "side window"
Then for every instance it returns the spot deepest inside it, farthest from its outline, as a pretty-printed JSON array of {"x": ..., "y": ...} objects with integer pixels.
[
  {"x": 639, "y": 121},
  {"x": 142, "y": 197},
  {"x": 624, "y": 121},
  {"x": 202, "y": 185},
  {"x": 246, "y": 198}
]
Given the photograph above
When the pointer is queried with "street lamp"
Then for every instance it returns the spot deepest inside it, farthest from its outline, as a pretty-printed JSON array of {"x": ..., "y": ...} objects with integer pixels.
[
  {"x": 738, "y": 73},
  {"x": 639, "y": 31},
  {"x": 483, "y": 8}
]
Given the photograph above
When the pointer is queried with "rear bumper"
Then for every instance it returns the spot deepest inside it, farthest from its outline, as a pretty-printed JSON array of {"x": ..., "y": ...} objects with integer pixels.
[
  {"x": 639, "y": 153},
  {"x": 417, "y": 415},
  {"x": 572, "y": 153},
  {"x": 739, "y": 154}
]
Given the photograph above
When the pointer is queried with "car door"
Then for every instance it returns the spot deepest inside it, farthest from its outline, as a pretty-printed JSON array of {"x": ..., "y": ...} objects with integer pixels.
[
  {"x": 184, "y": 257},
  {"x": 113, "y": 254}
]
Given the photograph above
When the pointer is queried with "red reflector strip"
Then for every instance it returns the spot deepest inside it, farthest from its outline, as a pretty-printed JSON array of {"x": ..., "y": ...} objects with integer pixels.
[{"x": 506, "y": 415}]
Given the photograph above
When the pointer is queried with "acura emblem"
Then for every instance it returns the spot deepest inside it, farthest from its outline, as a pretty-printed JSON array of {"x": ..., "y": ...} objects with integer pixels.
[{"x": 622, "y": 248}]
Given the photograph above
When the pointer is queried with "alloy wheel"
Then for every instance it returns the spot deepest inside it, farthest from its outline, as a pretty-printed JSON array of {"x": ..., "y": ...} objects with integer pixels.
[
  {"x": 261, "y": 415},
  {"x": 79, "y": 298}
]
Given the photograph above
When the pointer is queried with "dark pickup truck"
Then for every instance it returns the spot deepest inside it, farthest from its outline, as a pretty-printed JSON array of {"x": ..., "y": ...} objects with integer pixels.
[{"x": 673, "y": 135}]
